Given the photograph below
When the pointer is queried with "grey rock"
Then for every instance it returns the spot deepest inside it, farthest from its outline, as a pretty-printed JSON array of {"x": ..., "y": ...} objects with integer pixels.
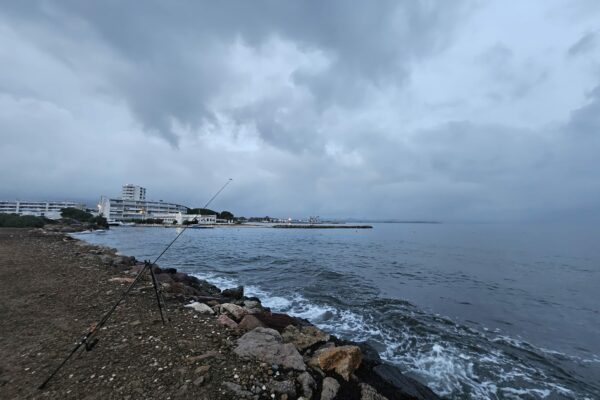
[
  {"x": 237, "y": 389},
  {"x": 284, "y": 387},
  {"x": 182, "y": 390},
  {"x": 251, "y": 304},
  {"x": 234, "y": 310},
  {"x": 106, "y": 259},
  {"x": 307, "y": 384},
  {"x": 305, "y": 336},
  {"x": 369, "y": 393},
  {"x": 267, "y": 345},
  {"x": 164, "y": 278},
  {"x": 200, "y": 307},
  {"x": 202, "y": 369},
  {"x": 370, "y": 354},
  {"x": 234, "y": 293},
  {"x": 199, "y": 381},
  {"x": 330, "y": 388}
]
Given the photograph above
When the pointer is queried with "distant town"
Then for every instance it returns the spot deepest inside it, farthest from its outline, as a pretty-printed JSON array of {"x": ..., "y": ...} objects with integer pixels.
[{"x": 132, "y": 208}]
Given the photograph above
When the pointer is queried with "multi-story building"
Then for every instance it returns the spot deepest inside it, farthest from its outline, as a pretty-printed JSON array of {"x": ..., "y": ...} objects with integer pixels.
[
  {"x": 48, "y": 209},
  {"x": 133, "y": 192},
  {"x": 133, "y": 206},
  {"x": 131, "y": 210}
]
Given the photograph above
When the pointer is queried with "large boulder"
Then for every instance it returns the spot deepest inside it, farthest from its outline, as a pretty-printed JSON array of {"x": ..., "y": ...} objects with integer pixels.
[
  {"x": 267, "y": 345},
  {"x": 200, "y": 308},
  {"x": 226, "y": 321},
  {"x": 407, "y": 386},
  {"x": 276, "y": 321},
  {"x": 253, "y": 306},
  {"x": 304, "y": 337},
  {"x": 250, "y": 322},
  {"x": 234, "y": 293},
  {"x": 344, "y": 360},
  {"x": 124, "y": 261},
  {"x": 234, "y": 310}
]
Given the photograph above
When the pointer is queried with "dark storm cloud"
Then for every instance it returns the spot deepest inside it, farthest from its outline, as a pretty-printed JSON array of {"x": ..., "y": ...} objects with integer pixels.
[
  {"x": 345, "y": 108},
  {"x": 173, "y": 52}
]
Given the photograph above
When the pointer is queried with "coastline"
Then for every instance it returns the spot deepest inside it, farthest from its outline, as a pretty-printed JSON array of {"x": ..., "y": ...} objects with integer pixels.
[{"x": 229, "y": 338}]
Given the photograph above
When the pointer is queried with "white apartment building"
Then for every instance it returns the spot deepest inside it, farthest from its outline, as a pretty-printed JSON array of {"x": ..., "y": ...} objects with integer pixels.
[
  {"x": 48, "y": 209},
  {"x": 133, "y": 192},
  {"x": 131, "y": 210}
]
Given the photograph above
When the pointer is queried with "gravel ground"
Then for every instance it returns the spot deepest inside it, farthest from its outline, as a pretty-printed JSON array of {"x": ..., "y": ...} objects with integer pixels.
[{"x": 52, "y": 290}]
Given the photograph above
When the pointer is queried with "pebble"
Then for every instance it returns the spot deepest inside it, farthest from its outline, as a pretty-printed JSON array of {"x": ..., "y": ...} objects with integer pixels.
[{"x": 199, "y": 381}]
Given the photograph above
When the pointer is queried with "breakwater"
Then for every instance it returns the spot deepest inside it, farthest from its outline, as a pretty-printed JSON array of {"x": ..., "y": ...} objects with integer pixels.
[{"x": 321, "y": 226}]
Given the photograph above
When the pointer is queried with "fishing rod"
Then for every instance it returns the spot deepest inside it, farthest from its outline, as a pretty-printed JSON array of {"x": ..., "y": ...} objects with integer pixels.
[
  {"x": 187, "y": 226},
  {"x": 89, "y": 339}
]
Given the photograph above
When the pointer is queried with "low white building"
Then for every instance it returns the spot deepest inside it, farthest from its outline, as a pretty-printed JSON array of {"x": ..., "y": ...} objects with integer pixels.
[
  {"x": 48, "y": 209},
  {"x": 180, "y": 218}
]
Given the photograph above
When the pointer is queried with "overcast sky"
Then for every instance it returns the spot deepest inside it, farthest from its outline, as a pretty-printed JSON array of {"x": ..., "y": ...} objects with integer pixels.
[{"x": 442, "y": 110}]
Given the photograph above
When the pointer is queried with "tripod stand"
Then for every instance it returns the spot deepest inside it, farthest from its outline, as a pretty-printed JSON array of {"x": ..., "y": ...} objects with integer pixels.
[{"x": 89, "y": 340}]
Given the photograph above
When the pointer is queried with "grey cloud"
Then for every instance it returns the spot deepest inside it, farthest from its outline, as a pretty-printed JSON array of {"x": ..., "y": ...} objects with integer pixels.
[
  {"x": 513, "y": 79},
  {"x": 584, "y": 45},
  {"x": 173, "y": 52},
  {"x": 586, "y": 119},
  {"x": 309, "y": 106}
]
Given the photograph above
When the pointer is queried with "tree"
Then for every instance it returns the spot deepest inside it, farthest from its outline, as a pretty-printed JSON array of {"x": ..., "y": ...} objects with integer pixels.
[
  {"x": 100, "y": 221},
  {"x": 202, "y": 211},
  {"x": 76, "y": 214},
  {"x": 225, "y": 215}
]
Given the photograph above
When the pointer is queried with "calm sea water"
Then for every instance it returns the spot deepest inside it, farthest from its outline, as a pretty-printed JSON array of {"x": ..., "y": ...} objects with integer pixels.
[{"x": 475, "y": 311}]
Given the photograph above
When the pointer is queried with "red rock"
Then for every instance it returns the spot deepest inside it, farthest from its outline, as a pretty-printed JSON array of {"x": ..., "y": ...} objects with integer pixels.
[
  {"x": 226, "y": 321},
  {"x": 250, "y": 322},
  {"x": 276, "y": 321}
]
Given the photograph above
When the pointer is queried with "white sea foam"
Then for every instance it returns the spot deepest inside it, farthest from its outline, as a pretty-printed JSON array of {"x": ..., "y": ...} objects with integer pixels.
[{"x": 447, "y": 369}]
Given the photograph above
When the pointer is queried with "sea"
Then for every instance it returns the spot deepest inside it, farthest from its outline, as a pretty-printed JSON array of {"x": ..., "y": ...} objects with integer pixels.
[{"x": 475, "y": 311}]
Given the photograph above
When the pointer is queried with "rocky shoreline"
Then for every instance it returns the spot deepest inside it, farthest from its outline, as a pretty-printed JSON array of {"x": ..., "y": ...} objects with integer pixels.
[{"x": 219, "y": 344}]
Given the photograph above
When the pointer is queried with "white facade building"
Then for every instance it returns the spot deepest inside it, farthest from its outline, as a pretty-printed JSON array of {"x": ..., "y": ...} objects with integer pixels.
[
  {"x": 180, "y": 218},
  {"x": 48, "y": 209},
  {"x": 133, "y": 192},
  {"x": 131, "y": 210}
]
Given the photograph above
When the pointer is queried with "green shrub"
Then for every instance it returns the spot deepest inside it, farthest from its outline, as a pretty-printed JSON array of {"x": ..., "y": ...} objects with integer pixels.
[
  {"x": 21, "y": 221},
  {"x": 75, "y": 213}
]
